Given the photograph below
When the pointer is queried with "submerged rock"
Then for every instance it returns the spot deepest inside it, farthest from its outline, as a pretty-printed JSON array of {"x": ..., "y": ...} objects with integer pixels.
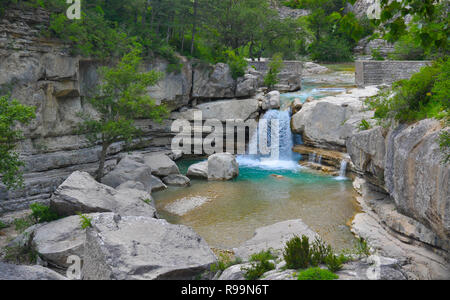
[
  {"x": 185, "y": 205},
  {"x": 80, "y": 193},
  {"x": 274, "y": 237},
  {"x": 127, "y": 248},
  {"x": 222, "y": 166}
]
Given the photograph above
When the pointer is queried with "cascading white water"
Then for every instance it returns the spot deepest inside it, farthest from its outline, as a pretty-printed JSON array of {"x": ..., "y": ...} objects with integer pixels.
[
  {"x": 287, "y": 158},
  {"x": 343, "y": 170}
]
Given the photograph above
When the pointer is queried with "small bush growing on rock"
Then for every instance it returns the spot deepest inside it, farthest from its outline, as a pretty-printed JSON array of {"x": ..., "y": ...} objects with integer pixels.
[
  {"x": 361, "y": 247},
  {"x": 333, "y": 262},
  {"x": 85, "y": 221},
  {"x": 444, "y": 142},
  {"x": 275, "y": 67},
  {"x": 297, "y": 253},
  {"x": 319, "y": 252},
  {"x": 263, "y": 255},
  {"x": 364, "y": 125},
  {"x": 258, "y": 269},
  {"x": 317, "y": 274},
  {"x": 224, "y": 263},
  {"x": 20, "y": 225},
  {"x": 41, "y": 213},
  {"x": 3, "y": 225}
]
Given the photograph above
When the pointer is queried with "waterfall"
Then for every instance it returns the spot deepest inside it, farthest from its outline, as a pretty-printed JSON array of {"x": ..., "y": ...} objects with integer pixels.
[
  {"x": 319, "y": 161},
  {"x": 343, "y": 170},
  {"x": 287, "y": 158}
]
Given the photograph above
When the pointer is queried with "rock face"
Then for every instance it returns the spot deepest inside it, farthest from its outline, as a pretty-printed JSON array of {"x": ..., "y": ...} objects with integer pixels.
[
  {"x": 80, "y": 193},
  {"x": 213, "y": 82},
  {"x": 199, "y": 170},
  {"x": 367, "y": 149},
  {"x": 147, "y": 249},
  {"x": 222, "y": 166},
  {"x": 272, "y": 101},
  {"x": 15, "y": 272},
  {"x": 328, "y": 123},
  {"x": 415, "y": 176},
  {"x": 274, "y": 237}
]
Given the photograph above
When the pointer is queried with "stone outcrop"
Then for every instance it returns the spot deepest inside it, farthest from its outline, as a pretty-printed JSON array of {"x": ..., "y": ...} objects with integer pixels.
[
  {"x": 80, "y": 193},
  {"x": 213, "y": 81},
  {"x": 177, "y": 180},
  {"x": 161, "y": 165},
  {"x": 329, "y": 122},
  {"x": 271, "y": 101},
  {"x": 222, "y": 166},
  {"x": 274, "y": 237},
  {"x": 312, "y": 69},
  {"x": 147, "y": 249},
  {"x": 199, "y": 170},
  {"x": 15, "y": 272}
]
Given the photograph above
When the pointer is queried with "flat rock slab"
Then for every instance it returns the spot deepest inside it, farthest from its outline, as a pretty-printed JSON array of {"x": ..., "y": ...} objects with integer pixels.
[
  {"x": 15, "y": 272},
  {"x": 274, "y": 237},
  {"x": 80, "y": 193},
  {"x": 129, "y": 248}
]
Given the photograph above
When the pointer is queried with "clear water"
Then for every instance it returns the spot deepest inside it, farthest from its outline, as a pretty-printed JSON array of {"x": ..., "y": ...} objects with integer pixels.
[
  {"x": 256, "y": 198},
  {"x": 268, "y": 191}
]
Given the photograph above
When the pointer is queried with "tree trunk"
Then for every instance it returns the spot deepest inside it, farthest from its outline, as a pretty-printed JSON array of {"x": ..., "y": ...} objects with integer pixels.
[{"x": 101, "y": 166}]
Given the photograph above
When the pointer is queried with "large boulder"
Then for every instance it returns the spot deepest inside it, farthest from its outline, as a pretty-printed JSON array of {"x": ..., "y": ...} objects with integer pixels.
[
  {"x": 328, "y": 123},
  {"x": 272, "y": 101},
  {"x": 127, "y": 248},
  {"x": 247, "y": 85},
  {"x": 80, "y": 193},
  {"x": 15, "y": 272},
  {"x": 58, "y": 240},
  {"x": 222, "y": 166},
  {"x": 129, "y": 169},
  {"x": 199, "y": 170},
  {"x": 274, "y": 237},
  {"x": 312, "y": 69},
  {"x": 213, "y": 81},
  {"x": 416, "y": 176},
  {"x": 161, "y": 165},
  {"x": 289, "y": 82},
  {"x": 229, "y": 109}
]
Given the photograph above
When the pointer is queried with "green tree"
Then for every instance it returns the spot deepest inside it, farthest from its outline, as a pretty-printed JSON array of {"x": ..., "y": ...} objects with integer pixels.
[
  {"x": 275, "y": 67},
  {"x": 122, "y": 98},
  {"x": 12, "y": 113}
]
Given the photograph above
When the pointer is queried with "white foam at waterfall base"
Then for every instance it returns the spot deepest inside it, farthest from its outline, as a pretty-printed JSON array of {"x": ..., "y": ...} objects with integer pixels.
[
  {"x": 342, "y": 171},
  {"x": 287, "y": 160}
]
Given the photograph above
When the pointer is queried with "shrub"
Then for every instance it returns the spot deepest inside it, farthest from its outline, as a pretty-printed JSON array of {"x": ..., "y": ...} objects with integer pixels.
[
  {"x": 263, "y": 255},
  {"x": 407, "y": 49},
  {"x": 22, "y": 254},
  {"x": 237, "y": 64},
  {"x": 361, "y": 247},
  {"x": 364, "y": 125},
  {"x": 319, "y": 252},
  {"x": 376, "y": 55},
  {"x": 275, "y": 67},
  {"x": 333, "y": 262},
  {"x": 317, "y": 274},
  {"x": 3, "y": 225},
  {"x": 258, "y": 269},
  {"x": 20, "y": 225},
  {"x": 444, "y": 143},
  {"x": 224, "y": 263},
  {"x": 425, "y": 95},
  {"x": 85, "y": 221},
  {"x": 42, "y": 213},
  {"x": 297, "y": 253},
  {"x": 331, "y": 50}
]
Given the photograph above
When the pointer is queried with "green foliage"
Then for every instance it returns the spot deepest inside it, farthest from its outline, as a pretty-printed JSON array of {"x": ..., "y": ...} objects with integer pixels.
[
  {"x": 237, "y": 64},
  {"x": 297, "y": 253},
  {"x": 41, "y": 213},
  {"x": 260, "y": 265},
  {"x": 430, "y": 22},
  {"x": 263, "y": 255},
  {"x": 147, "y": 201},
  {"x": 23, "y": 224},
  {"x": 331, "y": 50},
  {"x": 362, "y": 248},
  {"x": 317, "y": 274},
  {"x": 121, "y": 98},
  {"x": 425, "y": 95},
  {"x": 334, "y": 262},
  {"x": 319, "y": 252},
  {"x": 224, "y": 263},
  {"x": 22, "y": 253},
  {"x": 85, "y": 221},
  {"x": 444, "y": 143},
  {"x": 364, "y": 125},
  {"x": 275, "y": 67},
  {"x": 407, "y": 48},
  {"x": 376, "y": 55},
  {"x": 11, "y": 114},
  {"x": 3, "y": 225}
]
